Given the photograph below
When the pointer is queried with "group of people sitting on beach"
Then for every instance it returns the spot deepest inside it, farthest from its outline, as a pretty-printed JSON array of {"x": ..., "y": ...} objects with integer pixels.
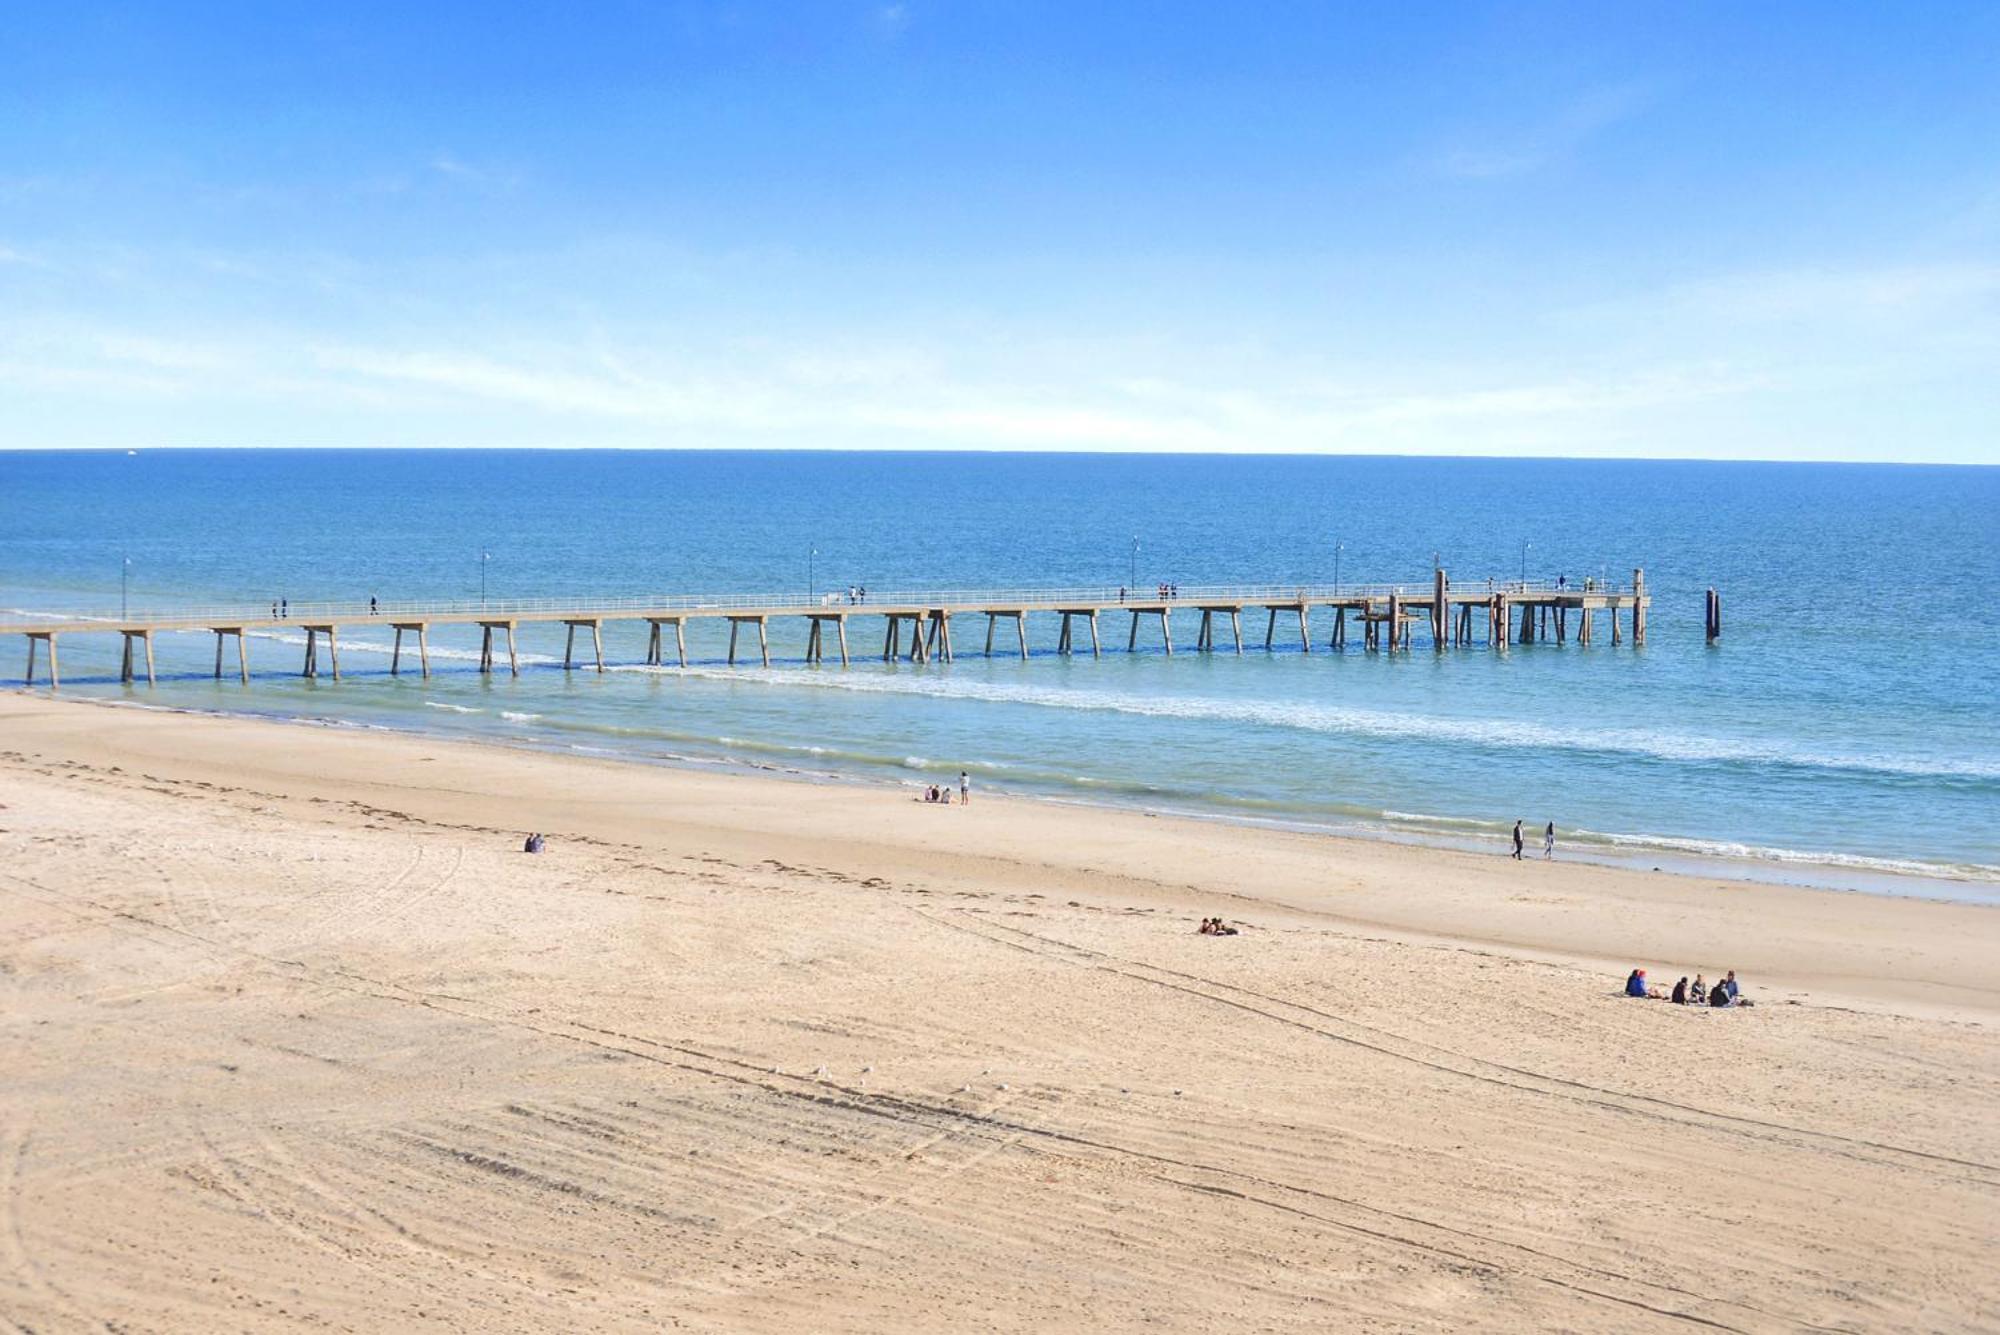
[
  {"x": 1697, "y": 993},
  {"x": 534, "y": 844},
  {"x": 1215, "y": 927},
  {"x": 941, "y": 792}
]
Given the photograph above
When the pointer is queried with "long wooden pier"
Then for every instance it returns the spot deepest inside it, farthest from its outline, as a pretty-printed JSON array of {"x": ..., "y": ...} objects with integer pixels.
[{"x": 1384, "y": 616}]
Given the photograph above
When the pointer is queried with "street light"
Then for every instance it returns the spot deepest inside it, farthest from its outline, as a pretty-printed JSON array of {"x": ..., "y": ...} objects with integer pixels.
[
  {"x": 1525, "y": 544},
  {"x": 484, "y": 557},
  {"x": 811, "y": 552},
  {"x": 1338, "y": 548},
  {"x": 1132, "y": 581},
  {"x": 125, "y": 590}
]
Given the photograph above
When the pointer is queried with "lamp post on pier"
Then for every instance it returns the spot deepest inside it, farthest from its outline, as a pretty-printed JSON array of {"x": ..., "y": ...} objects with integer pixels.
[
  {"x": 484, "y": 557},
  {"x": 1338, "y": 548},
  {"x": 811, "y": 552},
  {"x": 1525, "y": 544},
  {"x": 125, "y": 589},
  {"x": 1132, "y": 579}
]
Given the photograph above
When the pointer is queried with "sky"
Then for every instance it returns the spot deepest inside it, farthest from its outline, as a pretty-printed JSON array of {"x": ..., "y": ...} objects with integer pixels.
[{"x": 1733, "y": 230}]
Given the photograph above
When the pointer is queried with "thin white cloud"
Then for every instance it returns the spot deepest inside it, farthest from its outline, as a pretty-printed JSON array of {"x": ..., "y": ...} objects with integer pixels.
[
  {"x": 486, "y": 177},
  {"x": 1870, "y": 294},
  {"x": 1498, "y": 153}
]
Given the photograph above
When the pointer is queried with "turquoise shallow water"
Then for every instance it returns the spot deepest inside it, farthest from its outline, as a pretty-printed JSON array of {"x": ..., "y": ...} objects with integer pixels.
[{"x": 1846, "y": 721}]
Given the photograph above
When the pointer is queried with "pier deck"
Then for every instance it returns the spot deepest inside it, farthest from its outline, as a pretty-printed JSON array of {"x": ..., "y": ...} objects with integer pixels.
[{"x": 1488, "y": 613}]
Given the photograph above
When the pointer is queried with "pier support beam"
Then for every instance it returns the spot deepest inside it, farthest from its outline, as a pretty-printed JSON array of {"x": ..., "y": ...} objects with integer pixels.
[
  {"x": 937, "y": 642},
  {"x": 1271, "y": 624},
  {"x": 1638, "y": 606},
  {"x": 680, "y": 639},
  {"x": 1206, "y": 639},
  {"x": 1020, "y": 618},
  {"x": 816, "y": 639},
  {"x": 892, "y": 638},
  {"x": 1440, "y": 609},
  {"x": 763, "y": 636},
  {"x": 596, "y": 638},
  {"x": 145, "y": 638},
  {"x": 242, "y": 652},
  {"x": 312, "y": 650},
  {"x": 1395, "y": 621},
  {"x": 1066, "y": 641},
  {"x": 486, "y": 629},
  {"x": 55, "y": 674},
  {"x": 1163, "y": 612},
  {"x": 422, "y": 628}
]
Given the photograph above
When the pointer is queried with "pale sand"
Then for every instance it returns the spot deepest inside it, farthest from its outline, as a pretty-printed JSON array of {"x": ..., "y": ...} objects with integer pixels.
[{"x": 294, "y": 1036}]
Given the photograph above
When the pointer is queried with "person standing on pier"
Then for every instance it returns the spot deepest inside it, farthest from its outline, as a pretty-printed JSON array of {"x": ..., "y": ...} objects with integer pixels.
[
  {"x": 1549, "y": 841},
  {"x": 1517, "y": 841}
]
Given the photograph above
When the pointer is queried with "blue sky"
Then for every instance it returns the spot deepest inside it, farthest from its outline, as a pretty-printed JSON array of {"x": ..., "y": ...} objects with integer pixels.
[{"x": 1729, "y": 230}]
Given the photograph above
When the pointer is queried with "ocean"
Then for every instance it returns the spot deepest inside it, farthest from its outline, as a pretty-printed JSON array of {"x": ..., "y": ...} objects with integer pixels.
[{"x": 1844, "y": 731}]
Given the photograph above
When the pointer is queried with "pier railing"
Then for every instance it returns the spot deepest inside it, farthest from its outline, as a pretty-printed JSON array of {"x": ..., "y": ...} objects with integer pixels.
[{"x": 798, "y": 603}]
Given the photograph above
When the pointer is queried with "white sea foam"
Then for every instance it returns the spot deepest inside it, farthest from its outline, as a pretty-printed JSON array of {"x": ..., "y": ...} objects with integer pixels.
[
  {"x": 456, "y": 709},
  {"x": 1647, "y": 743},
  {"x": 513, "y": 716}
]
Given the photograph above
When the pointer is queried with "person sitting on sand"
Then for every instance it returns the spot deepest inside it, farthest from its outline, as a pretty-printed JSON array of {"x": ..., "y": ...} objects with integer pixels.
[
  {"x": 1221, "y": 929},
  {"x": 1718, "y": 998},
  {"x": 1698, "y": 994},
  {"x": 528, "y": 844},
  {"x": 1207, "y": 927},
  {"x": 1635, "y": 986},
  {"x": 1680, "y": 995},
  {"x": 1728, "y": 985}
]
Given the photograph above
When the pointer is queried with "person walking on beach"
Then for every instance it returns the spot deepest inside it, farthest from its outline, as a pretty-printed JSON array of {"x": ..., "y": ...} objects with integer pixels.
[
  {"x": 1517, "y": 841},
  {"x": 284, "y": 607},
  {"x": 1549, "y": 841},
  {"x": 964, "y": 787},
  {"x": 371, "y": 604}
]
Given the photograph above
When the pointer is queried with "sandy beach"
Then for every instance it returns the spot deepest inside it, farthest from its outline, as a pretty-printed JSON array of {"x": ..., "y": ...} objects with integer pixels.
[{"x": 296, "y": 1037}]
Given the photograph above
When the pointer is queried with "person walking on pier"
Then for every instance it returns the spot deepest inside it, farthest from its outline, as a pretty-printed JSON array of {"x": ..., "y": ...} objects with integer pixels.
[
  {"x": 371, "y": 605},
  {"x": 1517, "y": 841},
  {"x": 1549, "y": 841},
  {"x": 284, "y": 607}
]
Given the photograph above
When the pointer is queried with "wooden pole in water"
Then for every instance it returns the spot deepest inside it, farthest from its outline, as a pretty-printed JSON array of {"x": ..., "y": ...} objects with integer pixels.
[{"x": 1638, "y": 606}]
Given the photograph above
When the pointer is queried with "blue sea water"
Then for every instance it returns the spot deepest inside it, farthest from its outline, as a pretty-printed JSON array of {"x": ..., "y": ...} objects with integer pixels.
[{"x": 1844, "y": 728}]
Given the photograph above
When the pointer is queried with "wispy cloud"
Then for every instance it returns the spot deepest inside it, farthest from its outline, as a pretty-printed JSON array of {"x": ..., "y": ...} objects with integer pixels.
[
  {"x": 891, "y": 20},
  {"x": 1865, "y": 293},
  {"x": 1504, "y": 152},
  {"x": 483, "y": 176}
]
